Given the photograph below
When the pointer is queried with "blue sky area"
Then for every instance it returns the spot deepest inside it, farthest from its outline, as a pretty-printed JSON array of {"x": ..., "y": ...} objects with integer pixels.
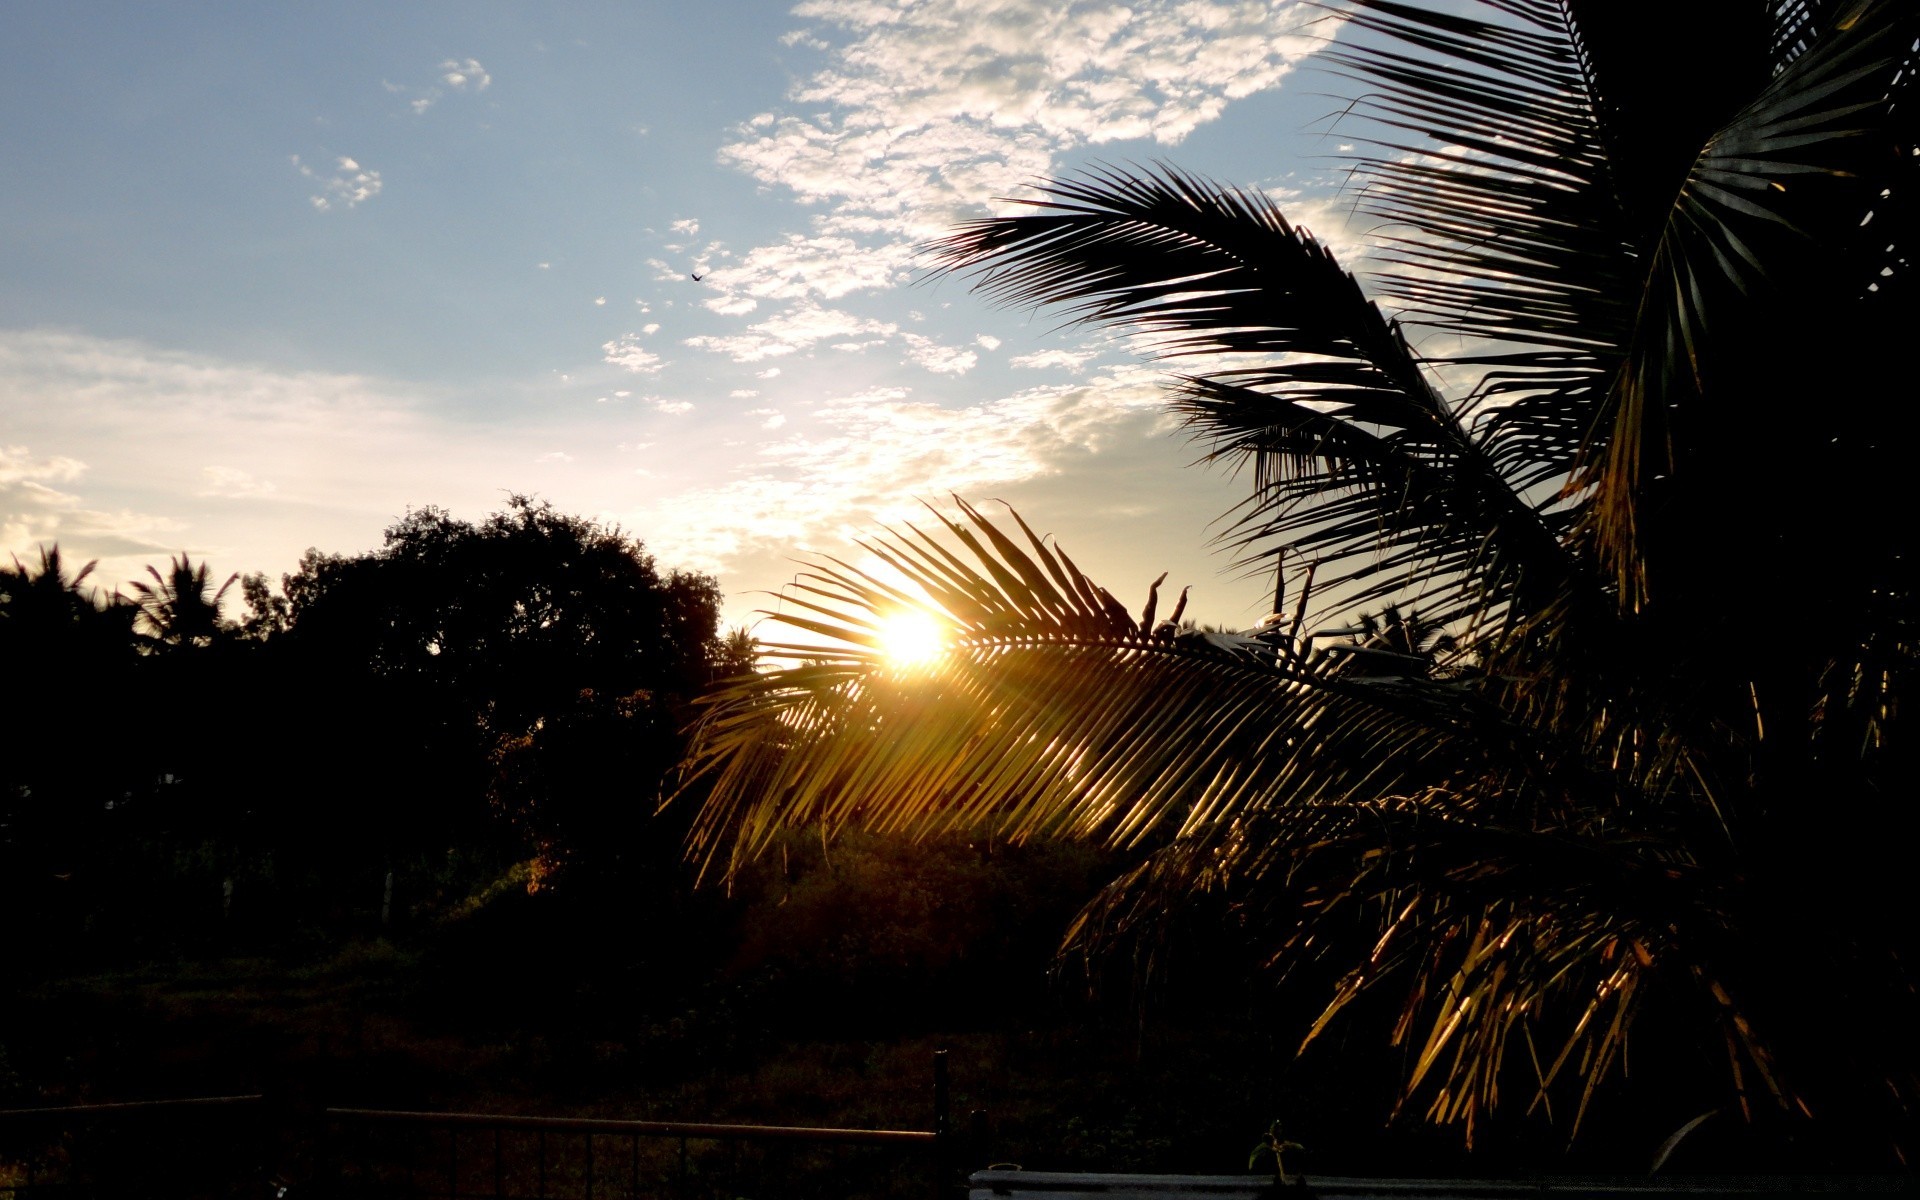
[{"x": 272, "y": 274}]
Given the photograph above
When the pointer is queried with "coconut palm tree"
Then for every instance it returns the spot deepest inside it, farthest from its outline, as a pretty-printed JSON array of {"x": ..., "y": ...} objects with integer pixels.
[
  {"x": 182, "y": 607},
  {"x": 1614, "y": 407}
]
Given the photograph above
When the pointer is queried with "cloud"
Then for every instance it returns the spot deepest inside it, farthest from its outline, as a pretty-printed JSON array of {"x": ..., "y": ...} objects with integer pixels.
[
  {"x": 625, "y": 351},
  {"x": 914, "y": 122},
  {"x": 1070, "y": 360},
  {"x": 457, "y": 74},
  {"x": 231, "y": 483},
  {"x": 988, "y": 341},
  {"x": 799, "y": 267},
  {"x": 465, "y": 74},
  {"x": 126, "y": 453},
  {"x": 877, "y": 449},
  {"x": 799, "y": 328},
  {"x": 347, "y": 185},
  {"x": 18, "y": 465},
  {"x": 941, "y": 360}
]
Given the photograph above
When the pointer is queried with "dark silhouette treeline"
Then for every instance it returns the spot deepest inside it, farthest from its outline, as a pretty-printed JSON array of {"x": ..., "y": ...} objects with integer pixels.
[{"x": 385, "y": 726}]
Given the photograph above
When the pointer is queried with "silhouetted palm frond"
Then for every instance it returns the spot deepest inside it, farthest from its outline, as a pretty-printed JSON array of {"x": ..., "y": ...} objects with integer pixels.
[{"x": 1653, "y": 492}]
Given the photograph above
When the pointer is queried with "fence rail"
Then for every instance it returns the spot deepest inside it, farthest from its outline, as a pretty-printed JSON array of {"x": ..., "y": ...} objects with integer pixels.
[
  {"x": 202, "y": 1146},
  {"x": 243, "y": 1145}
]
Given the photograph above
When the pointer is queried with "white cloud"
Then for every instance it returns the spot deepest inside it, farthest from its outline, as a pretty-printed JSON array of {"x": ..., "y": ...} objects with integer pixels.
[
  {"x": 650, "y": 328},
  {"x": 988, "y": 341},
  {"x": 769, "y": 373},
  {"x": 941, "y": 360},
  {"x": 458, "y": 74},
  {"x": 743, "y": 393},
  {"x": 464, "y": 74},
  {"x": 626, "y": 352},
  {"x": 880, "y": 448},
  {"x": 798, "y": 328},
  {"x": 915, "y": 122},
  {"x": 1070, "y": 360},
  {"x": 17, "y": 465},
  {"x": 798, "y": 267},
  {"x": 555, "y": 456},
  {"x": 231, "y": 483},
  {"x": 685, "y": 228},
  {"x": 128, "y": 453},
  {"x": 347, "y": 185},
  {"x": 672, "y": 408}
]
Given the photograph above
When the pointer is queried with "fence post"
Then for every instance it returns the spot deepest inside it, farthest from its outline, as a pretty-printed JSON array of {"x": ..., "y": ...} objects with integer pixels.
[
  {"x": 942, "y": 1103},
  {"x": 944, "y": 1158}
]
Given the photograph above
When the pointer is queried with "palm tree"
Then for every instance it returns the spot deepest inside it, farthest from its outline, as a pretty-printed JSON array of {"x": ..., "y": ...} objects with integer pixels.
[
  {"x": 182, "y": 607},
  {"x": 1614, "y": 410}
]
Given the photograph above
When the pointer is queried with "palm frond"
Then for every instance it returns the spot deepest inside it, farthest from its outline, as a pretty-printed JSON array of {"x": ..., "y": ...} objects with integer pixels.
[
  {"x": 1353, "y": 448},
  {"x": 1047, "y": 712}
]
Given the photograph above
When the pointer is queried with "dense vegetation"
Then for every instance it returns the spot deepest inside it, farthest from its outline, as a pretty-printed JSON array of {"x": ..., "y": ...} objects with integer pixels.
[{"x": 507, "y": 691}]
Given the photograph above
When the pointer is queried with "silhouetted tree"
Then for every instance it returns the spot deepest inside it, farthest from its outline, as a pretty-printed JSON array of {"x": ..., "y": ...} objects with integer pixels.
[
  {"x": 182, "y": 607},
  {"x": 534, "y": 662}
]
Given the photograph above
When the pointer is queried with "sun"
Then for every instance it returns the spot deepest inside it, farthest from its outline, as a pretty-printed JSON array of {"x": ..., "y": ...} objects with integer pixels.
[{"x": 912, "y": 639}]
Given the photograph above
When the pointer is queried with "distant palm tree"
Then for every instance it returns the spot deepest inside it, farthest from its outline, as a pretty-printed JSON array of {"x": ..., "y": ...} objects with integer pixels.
[
  {"x": 1646, "y": 470},
  {"x": 44, "y": 587},
  {"x": 182, "y": 607}
]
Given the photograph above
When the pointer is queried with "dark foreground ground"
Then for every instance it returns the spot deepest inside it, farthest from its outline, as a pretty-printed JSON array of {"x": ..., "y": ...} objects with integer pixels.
[{"x": 818, "y": 1000}]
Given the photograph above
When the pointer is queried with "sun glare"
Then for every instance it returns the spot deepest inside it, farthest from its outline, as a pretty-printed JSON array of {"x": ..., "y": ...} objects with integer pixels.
[{"x": 912, "y": 639}]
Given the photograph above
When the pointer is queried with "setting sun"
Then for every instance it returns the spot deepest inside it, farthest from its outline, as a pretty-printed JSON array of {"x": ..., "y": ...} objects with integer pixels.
[{"x": 911, "y": 639}]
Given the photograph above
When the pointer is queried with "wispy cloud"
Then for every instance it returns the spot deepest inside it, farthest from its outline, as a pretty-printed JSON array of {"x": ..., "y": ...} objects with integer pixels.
[
  {"x": 627, "y": 353},
  {"x": 18, "y": 465},
  {"x": 463, "y": 74},
  {"x": 941, "y": 360},
  {"x": 456, "y": 75},
  {"x": 128, "y": 452},
  {"x": 921, "y": 118},
  {"x": 799, "y": 328},
  {"x": 346, "y": 185},
  {"x": 1067, "y": 360},
  {"x": 232, "y": 483},
  {"x": 867, "y": 455}
]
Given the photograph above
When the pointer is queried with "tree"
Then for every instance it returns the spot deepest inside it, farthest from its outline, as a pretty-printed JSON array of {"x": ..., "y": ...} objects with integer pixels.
[
  {"x": 535, "y": 659},
  {"x": 1642, "y": 472},
  {"x": 182, "y": 607}
]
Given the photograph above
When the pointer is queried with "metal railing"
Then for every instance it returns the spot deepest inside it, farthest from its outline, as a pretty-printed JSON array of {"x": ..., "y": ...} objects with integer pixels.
[
  {"x": 489, "y": 1156},
  {"x": 496, "y": 1157},
  {"x": 241, "y": 1147},
  {"x": 205, "y": 1146}
]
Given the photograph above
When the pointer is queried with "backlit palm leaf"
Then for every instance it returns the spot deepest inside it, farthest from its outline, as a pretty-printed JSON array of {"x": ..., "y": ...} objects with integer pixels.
[{"x": 1666, "y": 522}]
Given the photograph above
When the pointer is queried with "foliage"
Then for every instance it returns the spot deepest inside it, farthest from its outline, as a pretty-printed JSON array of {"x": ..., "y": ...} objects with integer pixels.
[
  {"x": 488, "y": 688},
  {"x": 536, "y": 657},
  {"x": 1662, "y": 785},
  {"x": 182, "y": 607}
]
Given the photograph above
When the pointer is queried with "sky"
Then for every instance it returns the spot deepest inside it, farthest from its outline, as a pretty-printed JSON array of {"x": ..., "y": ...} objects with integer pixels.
[{"x": 273, "y": 274}]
